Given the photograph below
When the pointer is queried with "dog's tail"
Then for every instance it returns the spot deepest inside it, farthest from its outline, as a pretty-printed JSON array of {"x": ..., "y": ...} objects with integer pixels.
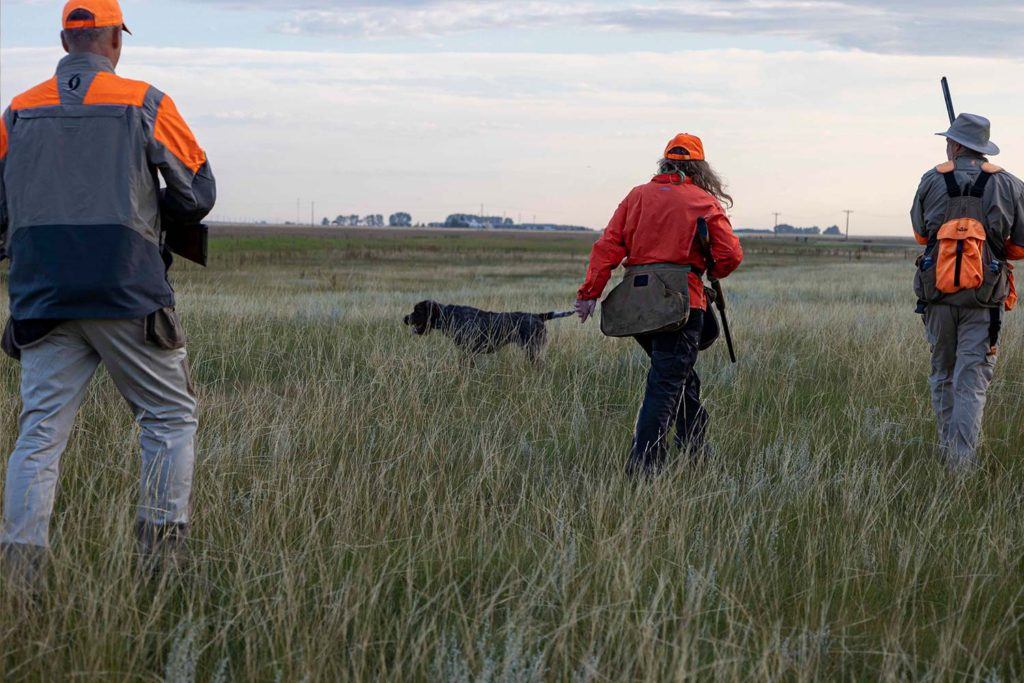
[{"x": 555, "y": 315}]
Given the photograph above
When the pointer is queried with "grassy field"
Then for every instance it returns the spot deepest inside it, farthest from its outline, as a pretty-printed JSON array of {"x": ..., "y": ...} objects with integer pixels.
[{"x": 368, "y": 506}]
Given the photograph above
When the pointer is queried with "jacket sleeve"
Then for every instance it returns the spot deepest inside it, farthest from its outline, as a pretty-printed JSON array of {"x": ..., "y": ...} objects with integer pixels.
[
  {"x": 172, "y": 148},
  {"x": 1015, "y": 244},
  {"x": 607, "y": 254},
  {"x": 725, "y": 245},
  {"x": 4, "y": 219},
  {"x": 917, "y": 211}
]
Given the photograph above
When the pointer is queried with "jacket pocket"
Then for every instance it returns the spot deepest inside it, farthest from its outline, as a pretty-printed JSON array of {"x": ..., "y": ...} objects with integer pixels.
[
  {"x": 164, "y": 330},
  {"x": 924, "y": 280}
]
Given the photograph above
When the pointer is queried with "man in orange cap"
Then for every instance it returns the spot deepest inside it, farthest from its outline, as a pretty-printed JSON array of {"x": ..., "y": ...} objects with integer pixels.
[
  {"x": 84, "y": 220},
  {"x": 655, "y": 228}
]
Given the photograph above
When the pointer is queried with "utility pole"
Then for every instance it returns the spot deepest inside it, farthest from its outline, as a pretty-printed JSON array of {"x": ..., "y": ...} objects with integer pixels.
[
  {"x": 847, "y": 212},
  {"x": 776, "y": 228},
  {"x": 298, "y": 210},
  {"x": 312, "y": 212}
]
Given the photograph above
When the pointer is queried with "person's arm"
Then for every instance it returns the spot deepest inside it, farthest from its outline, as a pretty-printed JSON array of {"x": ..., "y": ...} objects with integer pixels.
[
  {"x": 606, "y": 255},
  {"x": 191, "y": 189},
  {"x": 725, "y": 245},
  {"x": 4, "y": 220},
  {"x": 1015, "y": 244},
  {"x": 917, "y": 216}
]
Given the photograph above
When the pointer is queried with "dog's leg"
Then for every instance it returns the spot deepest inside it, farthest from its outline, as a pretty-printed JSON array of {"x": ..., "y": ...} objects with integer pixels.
[{"x": 535, "y": 346}]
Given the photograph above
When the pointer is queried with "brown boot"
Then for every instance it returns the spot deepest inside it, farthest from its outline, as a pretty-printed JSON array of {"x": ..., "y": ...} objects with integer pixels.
[{"x": 162, "y": 548}]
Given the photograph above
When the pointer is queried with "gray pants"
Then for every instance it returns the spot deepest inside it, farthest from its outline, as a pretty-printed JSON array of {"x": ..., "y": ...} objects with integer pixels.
[
  {"x": 962, "y": 370},
  {"x": 54, "y": 375}
]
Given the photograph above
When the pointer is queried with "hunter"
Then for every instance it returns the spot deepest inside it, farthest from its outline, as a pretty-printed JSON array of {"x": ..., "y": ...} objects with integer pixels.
[
  {"x": 969, "y": 214},
  {"x": 82, "y": 217},
  {"x": 662, "y": 303}
]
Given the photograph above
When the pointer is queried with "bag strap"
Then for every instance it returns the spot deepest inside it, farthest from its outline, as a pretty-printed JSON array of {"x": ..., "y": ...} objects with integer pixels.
[
  {"x": 952, "y": 189},
  {"x": 978, "y": 189}
]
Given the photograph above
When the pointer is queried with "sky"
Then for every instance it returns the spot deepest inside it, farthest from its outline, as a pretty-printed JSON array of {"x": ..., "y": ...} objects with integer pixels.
[{"x": 552, "y": 110}]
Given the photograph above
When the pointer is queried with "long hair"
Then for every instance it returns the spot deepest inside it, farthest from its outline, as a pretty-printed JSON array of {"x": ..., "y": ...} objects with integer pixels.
[{"x": 702, "y": 175}]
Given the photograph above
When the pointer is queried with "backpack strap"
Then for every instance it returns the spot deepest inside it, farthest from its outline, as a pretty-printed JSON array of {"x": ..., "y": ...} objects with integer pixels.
[
  {"x": 978, "y": 189},
  {"x": 952, "y": 189}
]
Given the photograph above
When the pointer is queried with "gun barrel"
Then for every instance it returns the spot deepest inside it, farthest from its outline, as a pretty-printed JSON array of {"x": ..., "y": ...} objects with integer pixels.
[{"x": 949, "y": 100}]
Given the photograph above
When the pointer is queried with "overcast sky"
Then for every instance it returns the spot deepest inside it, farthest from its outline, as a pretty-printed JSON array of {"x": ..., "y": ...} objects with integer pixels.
[{"x": 555, "y": 109}]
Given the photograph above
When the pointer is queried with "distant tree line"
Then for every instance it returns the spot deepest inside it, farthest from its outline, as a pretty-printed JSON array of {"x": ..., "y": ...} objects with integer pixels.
[{"x": 786, "y": 229}]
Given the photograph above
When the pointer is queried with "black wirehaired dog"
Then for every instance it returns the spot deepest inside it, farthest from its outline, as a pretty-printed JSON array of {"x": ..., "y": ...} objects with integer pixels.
[{"x": 478, "y": 331}]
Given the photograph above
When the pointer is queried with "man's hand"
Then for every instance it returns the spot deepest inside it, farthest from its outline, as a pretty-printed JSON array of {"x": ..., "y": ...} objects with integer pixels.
[{"x": 585, "y": 308}]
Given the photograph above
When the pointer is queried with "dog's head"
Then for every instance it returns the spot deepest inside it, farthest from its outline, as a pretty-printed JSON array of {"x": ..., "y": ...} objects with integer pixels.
[{"x": 424, "y": 317}]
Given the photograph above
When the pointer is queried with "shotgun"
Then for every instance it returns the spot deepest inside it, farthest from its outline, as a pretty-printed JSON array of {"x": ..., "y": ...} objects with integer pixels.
[{"x": 705, "y": 246}]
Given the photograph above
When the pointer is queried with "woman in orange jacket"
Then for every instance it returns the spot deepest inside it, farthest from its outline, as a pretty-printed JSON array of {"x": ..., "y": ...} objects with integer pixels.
[{"x": 656, "y": 224}]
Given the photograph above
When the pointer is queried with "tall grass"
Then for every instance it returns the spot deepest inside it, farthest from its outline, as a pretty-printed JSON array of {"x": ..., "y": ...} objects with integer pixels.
[{"x": 368, "y": 505}]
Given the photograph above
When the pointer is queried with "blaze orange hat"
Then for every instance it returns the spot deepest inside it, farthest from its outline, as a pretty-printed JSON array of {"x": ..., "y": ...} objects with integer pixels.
[
  {"x": 691, "y": 144},
  {"x": 106, "y": 13}
]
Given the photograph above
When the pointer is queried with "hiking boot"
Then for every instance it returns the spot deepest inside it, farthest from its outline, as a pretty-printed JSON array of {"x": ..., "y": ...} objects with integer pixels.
[{"x": 162, "y": 548}]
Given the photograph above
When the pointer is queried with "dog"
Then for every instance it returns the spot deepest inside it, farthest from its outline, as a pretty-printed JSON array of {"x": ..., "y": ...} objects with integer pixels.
[{"x": 479, "y": 332}]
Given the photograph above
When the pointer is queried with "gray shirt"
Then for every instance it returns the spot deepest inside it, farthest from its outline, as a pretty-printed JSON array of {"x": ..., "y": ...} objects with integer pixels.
[{"x": 1004, "y": 200}]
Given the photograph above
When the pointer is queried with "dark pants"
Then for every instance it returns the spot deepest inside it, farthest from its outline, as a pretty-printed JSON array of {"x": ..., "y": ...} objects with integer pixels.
[{"x": 672, "y": 398}]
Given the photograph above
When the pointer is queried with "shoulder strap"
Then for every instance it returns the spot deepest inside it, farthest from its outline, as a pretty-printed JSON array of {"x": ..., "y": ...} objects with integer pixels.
[
  {"x": 951, "y": 187},
  {"x": 978, "y": 189}
]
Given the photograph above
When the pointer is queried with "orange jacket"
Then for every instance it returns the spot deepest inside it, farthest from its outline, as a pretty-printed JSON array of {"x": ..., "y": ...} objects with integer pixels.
[{"x": 657, "y": 223}]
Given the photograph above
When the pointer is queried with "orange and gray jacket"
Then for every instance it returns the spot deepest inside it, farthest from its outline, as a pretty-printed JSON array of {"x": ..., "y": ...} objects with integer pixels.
[{"x": 81, "y": 206}]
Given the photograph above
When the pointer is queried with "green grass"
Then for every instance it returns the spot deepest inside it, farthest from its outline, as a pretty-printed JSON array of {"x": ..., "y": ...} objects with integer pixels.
[{"x": 369, "y": 506}]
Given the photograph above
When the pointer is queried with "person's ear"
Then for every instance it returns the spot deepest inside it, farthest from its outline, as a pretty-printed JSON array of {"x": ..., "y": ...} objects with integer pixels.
[{"x": 64, "y": 42}]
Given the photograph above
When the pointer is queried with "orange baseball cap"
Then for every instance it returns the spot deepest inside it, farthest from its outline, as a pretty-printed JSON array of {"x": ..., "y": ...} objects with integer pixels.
[
  {"x": 691, "y": 144},
  {"x": 106, "y": 13}
]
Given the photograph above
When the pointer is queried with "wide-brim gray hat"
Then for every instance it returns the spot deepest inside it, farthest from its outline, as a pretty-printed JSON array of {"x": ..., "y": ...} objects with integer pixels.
[{"x": 973, "y": 132}]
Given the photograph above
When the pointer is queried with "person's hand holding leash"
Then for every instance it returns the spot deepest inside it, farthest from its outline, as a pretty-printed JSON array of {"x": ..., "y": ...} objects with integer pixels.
[{"x": 585, "y": 308}]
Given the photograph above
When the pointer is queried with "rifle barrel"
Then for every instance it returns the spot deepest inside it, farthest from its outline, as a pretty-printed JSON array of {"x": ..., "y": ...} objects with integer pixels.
[{"x": 949, "y": 100}]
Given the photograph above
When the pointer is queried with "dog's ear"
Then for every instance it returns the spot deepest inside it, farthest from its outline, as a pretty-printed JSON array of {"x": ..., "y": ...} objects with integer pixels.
[{"x": 434, "y": 315}]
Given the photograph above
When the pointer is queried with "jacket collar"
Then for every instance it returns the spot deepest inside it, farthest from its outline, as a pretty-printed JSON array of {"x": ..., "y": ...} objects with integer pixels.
[
  {"x": 670, "y": 179},
  {"x": 85, "y": 61},
  {"x": 970, "y": 162}
]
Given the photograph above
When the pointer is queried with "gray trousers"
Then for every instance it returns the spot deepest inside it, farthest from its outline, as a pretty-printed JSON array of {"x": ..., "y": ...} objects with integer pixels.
[
  {"x": 54, "y": 375},
  {"x": 962, "y": 370}
]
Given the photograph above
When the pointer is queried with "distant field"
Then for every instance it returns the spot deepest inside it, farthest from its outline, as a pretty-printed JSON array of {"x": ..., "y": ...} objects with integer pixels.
[{"x": 370, "y": 506}]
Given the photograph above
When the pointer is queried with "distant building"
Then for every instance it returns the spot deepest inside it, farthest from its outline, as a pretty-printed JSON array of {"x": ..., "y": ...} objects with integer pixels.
[{"x": 467, "y": 220}]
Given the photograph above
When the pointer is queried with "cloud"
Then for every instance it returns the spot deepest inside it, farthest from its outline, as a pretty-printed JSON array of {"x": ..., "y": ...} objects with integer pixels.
[{"x": 932, "y": 27}]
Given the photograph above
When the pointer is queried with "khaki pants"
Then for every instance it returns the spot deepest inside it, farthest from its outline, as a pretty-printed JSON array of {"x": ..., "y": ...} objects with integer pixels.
[
  {"x": 962, "y": 370},
  {"x": 54, "y": 375}
]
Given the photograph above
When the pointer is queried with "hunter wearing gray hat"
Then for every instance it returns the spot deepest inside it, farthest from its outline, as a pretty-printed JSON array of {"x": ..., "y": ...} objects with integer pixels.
[
  {"x": 973, "y": 132},
  {"x": 969, "y": 216}
]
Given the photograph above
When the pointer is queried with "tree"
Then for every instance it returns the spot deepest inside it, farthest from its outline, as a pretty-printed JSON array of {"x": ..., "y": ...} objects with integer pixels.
[
  {"x": 325, "y": 222},
  {"x": 400, "y": 220}
]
